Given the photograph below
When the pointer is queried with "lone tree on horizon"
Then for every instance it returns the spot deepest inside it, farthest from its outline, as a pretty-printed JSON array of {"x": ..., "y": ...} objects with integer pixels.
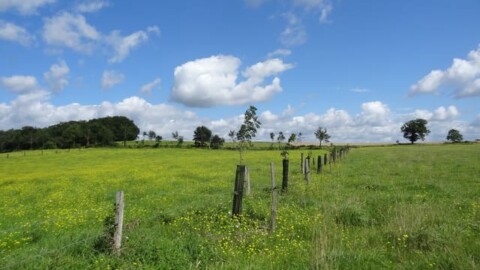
[
  {"x": 415, "y": 129},
  {"x": 454, "y": 136},
  {"x": 322, "y": 135},
  {"x": 201, "y": 136}
]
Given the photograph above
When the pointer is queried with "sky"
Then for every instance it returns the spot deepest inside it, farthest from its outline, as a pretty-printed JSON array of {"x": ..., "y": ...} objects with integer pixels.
[{"x": 360, "y": 69}]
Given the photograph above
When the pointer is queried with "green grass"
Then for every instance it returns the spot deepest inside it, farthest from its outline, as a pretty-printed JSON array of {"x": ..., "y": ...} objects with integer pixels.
[{"x": 399, "y": 207}]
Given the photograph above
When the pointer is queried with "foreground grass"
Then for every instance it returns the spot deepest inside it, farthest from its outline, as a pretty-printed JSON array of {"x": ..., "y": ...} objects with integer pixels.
[{"x": 403, "y": 207}]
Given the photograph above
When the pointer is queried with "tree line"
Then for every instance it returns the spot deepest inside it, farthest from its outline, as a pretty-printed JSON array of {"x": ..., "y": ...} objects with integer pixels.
[{"x": 96, "y": 132}]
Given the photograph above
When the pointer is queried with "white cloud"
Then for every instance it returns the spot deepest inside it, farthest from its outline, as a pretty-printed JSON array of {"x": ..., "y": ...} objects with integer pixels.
[
  {"x": 212, "y": 81},
  {"x": 374, "y": 113},
  {"x": 444, "y": 114},
  {"x": 91, "y": 6},
  {"x": 15, "y": 33},
  {"x": 57, "y": 76},
  {"x": 294, "y": 33},
  {"x": 279, "y": 52},
  {"x": 74, "y": 32},
  {"x": 463, "y": 75},
  {"x": 111, "y": 78},
  {"x": 19, "y": 84},
  {"x": 122, "y": 45},
  {"x": 322, "y": 7},
  {"x": 71, "y": 31},
  {"x": 35, "y": 109},
  {"x": 147, "y": 88},
  {"x": 25, "y": 7}
]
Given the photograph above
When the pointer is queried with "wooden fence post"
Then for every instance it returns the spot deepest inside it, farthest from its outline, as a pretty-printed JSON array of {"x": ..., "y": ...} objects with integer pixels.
[
  {"x": 238, "y": 190},
  {"x": 325, "y": 158},
  {"x": 117, "y": 236},
  {"x": 307, "y": 170},
  {"x": 285, "y": 176},
  {"x": 273, "y": 224},
  {"x": 247, "y": 181},
  {"x": 302, "y": 163},
  {"x": 319, "y": 164},
  {"x": 330, "y": 162}
]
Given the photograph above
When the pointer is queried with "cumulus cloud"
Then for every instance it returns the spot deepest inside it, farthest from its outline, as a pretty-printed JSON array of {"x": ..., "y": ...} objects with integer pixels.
[
  {"x": 463, "y": 76},
  {"x": 71, "y": 31},
  {"x": 212, "y": 81},
  {"x": 374, "y": 113},
  {"x": 15, "y": 33},
  {"x": 147, "y": 88},
  {"x": 111, "y": 78},
  {"x": 122, "y": 45},
  {"x": 19, "y": 84},
  {"x": 91, "y": 6},
  {"x": 74, "y": 32},
  {"x": 25, "y": 7},
  {"x": 57, "y": 76},
  {"x": 35, "y": 109}
]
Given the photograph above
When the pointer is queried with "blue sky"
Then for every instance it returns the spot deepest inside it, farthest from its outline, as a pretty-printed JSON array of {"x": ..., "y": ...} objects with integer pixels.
[{"x": 359, "y": 68}]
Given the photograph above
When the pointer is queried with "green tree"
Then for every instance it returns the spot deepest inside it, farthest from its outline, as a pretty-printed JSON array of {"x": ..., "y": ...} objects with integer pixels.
[
  {"x": 322, "y": 135},
  {"x": 201, "y": 136},
  {"x": 216, "y": 142},
  {"x": 454, "y": 136},
  {"x": 414, "y": 130},
  {"x": 177, "y": 137},
  {"x": 280, "y": 138},
  {"x": 248, "y": 130},
  {"x": 152, "y": 135},
  {"x": 231, "y": 134},
  {"x": 292, "y": 138}
]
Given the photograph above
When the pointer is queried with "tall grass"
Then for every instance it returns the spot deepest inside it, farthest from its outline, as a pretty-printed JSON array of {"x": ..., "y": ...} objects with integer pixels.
[{"x": 401, "y": 207}]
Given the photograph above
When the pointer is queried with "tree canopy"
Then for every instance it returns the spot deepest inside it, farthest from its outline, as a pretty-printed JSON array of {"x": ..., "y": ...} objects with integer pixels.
[
  {"x": 414, "y": 130},
  {"x": 322, "y": 135},
  {"x": 95, "y": 132},
  {"x": 454, "y": 136},
  {"x": 201, "y": 136},
  {"x": 248, "y": 130}
]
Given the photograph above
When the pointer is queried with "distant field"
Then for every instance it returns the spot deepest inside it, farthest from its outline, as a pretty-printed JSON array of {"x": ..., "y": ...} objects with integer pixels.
[{"x": 397, "y": 207}]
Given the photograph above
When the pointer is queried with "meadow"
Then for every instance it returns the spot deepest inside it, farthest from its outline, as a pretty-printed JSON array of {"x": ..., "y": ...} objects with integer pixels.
[{"x": 394, "y": 207}]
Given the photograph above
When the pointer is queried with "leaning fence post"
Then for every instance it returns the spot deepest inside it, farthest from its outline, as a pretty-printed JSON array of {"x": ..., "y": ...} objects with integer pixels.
[
  {"x": 273, "y": 224},
  {"x": 117, "y": 236},
  {"x": 238, "y": 190}
]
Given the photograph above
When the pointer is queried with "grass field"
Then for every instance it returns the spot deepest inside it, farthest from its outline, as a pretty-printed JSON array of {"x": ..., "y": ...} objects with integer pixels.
[{"x": 398, "y": 207}]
